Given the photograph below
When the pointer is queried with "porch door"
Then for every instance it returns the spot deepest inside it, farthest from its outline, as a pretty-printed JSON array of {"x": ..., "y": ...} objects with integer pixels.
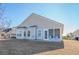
[
  {"x": 25, "y": 35},
  {"x": 46, "y": 34},
  {"x": 51, "y": 34},
  {"x": 39, "y": 34}
]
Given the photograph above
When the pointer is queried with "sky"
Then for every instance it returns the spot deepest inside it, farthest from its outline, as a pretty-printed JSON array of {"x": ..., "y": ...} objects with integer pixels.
[{"x": 67, "y": 14}]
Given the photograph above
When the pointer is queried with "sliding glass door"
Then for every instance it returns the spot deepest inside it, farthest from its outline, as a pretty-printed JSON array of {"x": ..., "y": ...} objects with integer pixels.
[
  {"x": 45, "y": 34},
  {"x": 51, "y": 33}
]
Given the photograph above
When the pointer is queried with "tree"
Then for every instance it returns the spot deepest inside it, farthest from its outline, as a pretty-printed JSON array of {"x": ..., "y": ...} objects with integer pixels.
[
  {"x": 1, "y": 17},
  {"x": 7, "y": 22},
  {"x": 4, "y": 21}
]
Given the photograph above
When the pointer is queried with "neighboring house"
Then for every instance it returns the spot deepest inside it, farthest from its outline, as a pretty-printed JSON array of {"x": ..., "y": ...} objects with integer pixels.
[
  {"x": 12, "y": 32},
  {"x": 70, "y": 36},
  {"x": 2, "y": 34},
  {"x": 37, "y": 27},
  {"x": 76, "y": 34},
  {"x": 8, "y": 33}
]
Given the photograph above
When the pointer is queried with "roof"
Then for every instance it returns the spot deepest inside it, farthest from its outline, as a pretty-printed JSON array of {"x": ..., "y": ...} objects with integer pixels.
[
  {"x": 21, "y": 27},
  {"x": 44, "y": 18},
  {"x": 7, "y": 30},
  {"x": 76, "y": 31}
]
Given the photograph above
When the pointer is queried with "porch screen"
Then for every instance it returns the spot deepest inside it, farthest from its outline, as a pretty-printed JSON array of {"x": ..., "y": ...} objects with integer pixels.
[
  {"x": 28, "y": 34},
  {"x": 57, "y": 33},
  {"x": 39, "y": 33},
  {"x": 50, "y": 33},
  {"x": 24, "y": 33},
  {"x": 45, "y": 34}
]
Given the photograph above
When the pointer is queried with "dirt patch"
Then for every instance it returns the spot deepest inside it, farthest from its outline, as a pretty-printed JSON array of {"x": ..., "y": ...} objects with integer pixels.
[{"x": 71, "y": 47}]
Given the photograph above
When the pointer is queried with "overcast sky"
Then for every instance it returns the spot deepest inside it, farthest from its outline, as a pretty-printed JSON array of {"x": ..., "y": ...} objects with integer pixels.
[{"x": 67, "y": 14}]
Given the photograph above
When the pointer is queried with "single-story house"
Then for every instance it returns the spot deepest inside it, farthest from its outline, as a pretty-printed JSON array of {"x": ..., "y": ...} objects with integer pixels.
[
  {"x": 8, "y": 33},
  {"x": 4, "y": 33},
  {"x": 76, "y": 34},
  {"x": 12, "y": 32},
  {"x": 37, "y": 27}
]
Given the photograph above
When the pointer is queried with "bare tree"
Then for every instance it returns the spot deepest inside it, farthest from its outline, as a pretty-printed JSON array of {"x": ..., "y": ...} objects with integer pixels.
[
  {"x": 4, "y": 21},
  {"x": 7, "y": 22},
  {"x": 1, "y": 17}
]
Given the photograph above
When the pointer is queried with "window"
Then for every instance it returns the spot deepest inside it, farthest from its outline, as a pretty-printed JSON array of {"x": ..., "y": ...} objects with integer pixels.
[
  {"x": 57, "y": 33},
  {"x": 50, "y": 33},
  {"x": 39, "y": 33},
  {"x": 28, "y": 34},
  {"x": 18, "y": 34},
  {"x": 45, "y": 34},
  {"x": 2, "y": 34},
  {"x": 24, "y": 33}
]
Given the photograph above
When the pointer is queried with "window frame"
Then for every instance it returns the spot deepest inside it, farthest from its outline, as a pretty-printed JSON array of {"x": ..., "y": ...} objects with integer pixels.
[
  {"x": 24, "y": 33},
  {"x": 57, "y": 34},
  {"x": 50, "y": 31},
  {"x": 28, "y": 33},
  {"x": 39, "y": 33}
]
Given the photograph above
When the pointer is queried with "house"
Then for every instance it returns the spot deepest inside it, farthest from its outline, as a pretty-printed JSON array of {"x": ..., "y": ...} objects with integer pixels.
[
  {"x": 12, "y": 32},
  {"x": 4, "y": 33},
  {"x": 37, "y": 27},
  {"x": 8, "y": 33},
  {"x": 76, "y": 34}
]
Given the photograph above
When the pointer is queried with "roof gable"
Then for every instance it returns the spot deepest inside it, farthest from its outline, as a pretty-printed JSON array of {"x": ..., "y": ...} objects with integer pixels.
[
  {"x": 76, "y": 31},
  {"x": 46, "y": 19},
  {"x": 41, "y": 17}
]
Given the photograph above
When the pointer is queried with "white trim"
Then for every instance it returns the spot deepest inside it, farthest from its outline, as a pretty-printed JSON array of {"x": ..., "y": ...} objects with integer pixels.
[
  {"x": 44, "y": 34},
  {"x": 41, "y": 36},
  {"x": 20, "y": 31},
  {"x": 33, "y": 34}
]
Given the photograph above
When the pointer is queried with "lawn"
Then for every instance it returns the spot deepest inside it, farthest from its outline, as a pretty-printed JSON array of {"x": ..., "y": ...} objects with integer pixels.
[
  {"x": 28, "y": 47},
  {"x": 25, "y": 47},
  {"x": 71, "y": 47}
]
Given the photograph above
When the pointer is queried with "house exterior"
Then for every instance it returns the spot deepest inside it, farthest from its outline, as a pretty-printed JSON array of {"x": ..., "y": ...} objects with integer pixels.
[
  {"x": 8, "y": 33},
  {"x": 76, "y": 34},
  {"x": 12, "y": 33},
  {"x": 37, "y": 27},
  {"x": 4, "y": 33}
]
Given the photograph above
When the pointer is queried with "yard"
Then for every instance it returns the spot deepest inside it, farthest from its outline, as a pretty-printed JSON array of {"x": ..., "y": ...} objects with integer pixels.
[
  {"x": 71, "y": 47},
  {"x": 27, "y": 47}
]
